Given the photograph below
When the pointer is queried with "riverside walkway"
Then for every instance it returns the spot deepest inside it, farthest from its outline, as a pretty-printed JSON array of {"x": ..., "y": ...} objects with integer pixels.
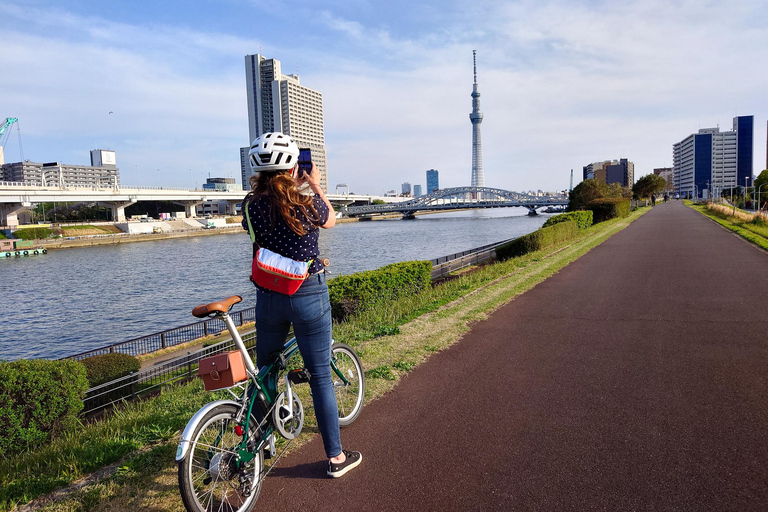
[{"x": 634, "y": 379}]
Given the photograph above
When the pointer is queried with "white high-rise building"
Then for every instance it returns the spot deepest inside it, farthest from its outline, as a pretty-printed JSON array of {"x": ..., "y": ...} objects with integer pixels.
[
  {"x": 279, "y": 103},
  {"x": 710, "y": 161}
]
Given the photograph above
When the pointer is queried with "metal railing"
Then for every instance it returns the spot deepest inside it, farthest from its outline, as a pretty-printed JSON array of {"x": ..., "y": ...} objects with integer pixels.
[
  {"x": 150, "y": 380},
  {"x": 171, "y": 337},
  {"x": 453, "y": 262}
]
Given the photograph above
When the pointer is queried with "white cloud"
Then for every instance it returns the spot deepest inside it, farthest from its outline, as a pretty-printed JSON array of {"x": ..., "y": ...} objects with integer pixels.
[{"x": 563, "y": 83}]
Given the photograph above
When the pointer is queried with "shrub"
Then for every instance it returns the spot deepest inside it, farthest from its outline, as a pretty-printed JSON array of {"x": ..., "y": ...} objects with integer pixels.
[
  {"x": 583, "y": 219},
  {"x": 33, "y": 233},
  {"x": 108, "y": 367},
  {"x": 358, "y": 292},
  {"x": 609, "y": 208},
  {"x": 539, "y": 239},
  {"x": 38, "y": 400}
]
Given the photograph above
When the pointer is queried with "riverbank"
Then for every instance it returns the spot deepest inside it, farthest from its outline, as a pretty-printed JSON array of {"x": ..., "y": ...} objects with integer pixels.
[{"x": 124, "y": 238}]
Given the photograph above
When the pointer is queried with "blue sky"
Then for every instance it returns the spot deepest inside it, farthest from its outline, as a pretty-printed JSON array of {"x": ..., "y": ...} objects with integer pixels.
[{"x": 563, "y": 83}]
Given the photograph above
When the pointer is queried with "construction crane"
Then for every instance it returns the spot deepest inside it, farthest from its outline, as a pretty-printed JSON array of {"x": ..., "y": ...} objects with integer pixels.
[
  {"x": 5, "y": 133},
  {"x": 7, "y": 124}
]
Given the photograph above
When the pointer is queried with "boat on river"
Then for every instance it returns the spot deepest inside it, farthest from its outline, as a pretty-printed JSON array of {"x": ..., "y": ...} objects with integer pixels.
[{"x": 17, "y": 248}]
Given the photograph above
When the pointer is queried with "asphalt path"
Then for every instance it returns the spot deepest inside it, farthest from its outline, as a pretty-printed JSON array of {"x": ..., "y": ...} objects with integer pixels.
[{"x": 634, "y": 379}]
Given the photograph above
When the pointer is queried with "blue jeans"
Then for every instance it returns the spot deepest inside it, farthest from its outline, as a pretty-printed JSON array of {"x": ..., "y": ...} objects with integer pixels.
[{"x": 309, "y": 310}]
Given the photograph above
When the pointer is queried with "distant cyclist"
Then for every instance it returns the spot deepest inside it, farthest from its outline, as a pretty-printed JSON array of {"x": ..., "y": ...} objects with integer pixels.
[{"x": 286, "y": 222}]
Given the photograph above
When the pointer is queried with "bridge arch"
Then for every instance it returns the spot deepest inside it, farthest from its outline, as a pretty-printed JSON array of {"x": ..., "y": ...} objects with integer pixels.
[{"x": 459, "y": 198}]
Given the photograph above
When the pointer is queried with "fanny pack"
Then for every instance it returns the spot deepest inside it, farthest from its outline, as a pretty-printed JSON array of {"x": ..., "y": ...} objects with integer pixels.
[
  {"x": 273, "y": 271},
  {"x": 278, "y": 273}
]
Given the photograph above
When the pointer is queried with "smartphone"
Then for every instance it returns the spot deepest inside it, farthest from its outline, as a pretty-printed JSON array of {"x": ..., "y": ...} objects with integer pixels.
[{"x": 305, "y": 162}]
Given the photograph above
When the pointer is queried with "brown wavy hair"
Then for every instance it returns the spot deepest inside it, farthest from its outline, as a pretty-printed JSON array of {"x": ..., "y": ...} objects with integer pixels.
[{"x": 285, "y": 199}]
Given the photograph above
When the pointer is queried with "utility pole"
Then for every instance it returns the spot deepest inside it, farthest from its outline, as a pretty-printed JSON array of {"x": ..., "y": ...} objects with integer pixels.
[{"x": 570, "y": 189}]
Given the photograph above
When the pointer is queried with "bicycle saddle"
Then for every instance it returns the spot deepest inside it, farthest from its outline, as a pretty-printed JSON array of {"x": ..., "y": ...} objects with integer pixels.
[{"x": 221, "y": 306}]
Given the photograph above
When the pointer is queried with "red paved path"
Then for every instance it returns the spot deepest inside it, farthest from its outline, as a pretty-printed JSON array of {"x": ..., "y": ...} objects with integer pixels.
[{"x": 634, "y": 379}]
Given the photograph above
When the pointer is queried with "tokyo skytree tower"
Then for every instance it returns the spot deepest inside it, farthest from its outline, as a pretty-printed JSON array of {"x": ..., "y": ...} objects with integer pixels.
[{"x": 476, "y": 117}]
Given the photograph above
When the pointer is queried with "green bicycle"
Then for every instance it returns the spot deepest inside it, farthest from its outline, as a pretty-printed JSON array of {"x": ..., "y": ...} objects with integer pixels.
[{"x": 223, "y": 447}]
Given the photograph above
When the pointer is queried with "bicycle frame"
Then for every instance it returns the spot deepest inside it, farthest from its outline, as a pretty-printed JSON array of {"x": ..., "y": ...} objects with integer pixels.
[{"x": 263, "y": 382}]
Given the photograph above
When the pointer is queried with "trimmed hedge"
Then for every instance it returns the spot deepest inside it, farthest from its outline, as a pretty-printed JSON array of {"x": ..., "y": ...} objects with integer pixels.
[
  {"x": 33, "y": 233},
  {"x": 38, "y": 400},
  {"x": 539, "y": 239},
  {"x": 608, "y": 208},
  {"x": 108, "y": 367},
  {"x": 583, "y": 219},
  {"x": 357, "y": 292}
]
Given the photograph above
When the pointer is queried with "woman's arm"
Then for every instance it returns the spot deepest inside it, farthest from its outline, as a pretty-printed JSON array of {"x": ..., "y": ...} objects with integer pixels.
[{"x": 314, "y": 183}]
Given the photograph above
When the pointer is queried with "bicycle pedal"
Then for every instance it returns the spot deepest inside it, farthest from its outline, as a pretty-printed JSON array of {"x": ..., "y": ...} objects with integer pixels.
[{"x": 301, "y": 376}]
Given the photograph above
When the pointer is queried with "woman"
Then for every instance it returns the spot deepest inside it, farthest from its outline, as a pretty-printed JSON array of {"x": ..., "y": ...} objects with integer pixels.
[{"x": 286, "y": 222}]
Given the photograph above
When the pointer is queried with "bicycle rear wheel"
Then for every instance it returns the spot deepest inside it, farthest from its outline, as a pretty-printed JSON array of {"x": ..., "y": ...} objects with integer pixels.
[
  {"x": 348, "y": 382},
  {"x": 209, "y": 477}
]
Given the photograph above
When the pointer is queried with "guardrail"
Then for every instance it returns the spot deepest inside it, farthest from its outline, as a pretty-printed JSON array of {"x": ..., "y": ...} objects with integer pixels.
[
  {"x": 453, "y": 262},
  {"x": 171, "y": 337},
  {"x": 150, "y": 380}
]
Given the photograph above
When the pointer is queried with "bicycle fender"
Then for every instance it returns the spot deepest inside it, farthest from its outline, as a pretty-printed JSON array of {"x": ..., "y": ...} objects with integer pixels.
[{"x": 186, "y": 436}]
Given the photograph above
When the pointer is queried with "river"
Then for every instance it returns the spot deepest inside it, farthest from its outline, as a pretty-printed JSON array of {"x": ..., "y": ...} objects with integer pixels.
[{"x": 72, "y": 300}]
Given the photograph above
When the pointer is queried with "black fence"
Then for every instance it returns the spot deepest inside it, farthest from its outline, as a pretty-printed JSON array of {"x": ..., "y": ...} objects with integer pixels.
[
  {"x": 150, "y": 380},
  {"x": 171, "y": 337},
  {"x": 453, "y": 262}
]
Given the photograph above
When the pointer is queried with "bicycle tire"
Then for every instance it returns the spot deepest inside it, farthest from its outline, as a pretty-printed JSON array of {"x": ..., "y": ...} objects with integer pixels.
[
  {"x": 207, "y": 478},
  {"x": 349, "y": 397}
]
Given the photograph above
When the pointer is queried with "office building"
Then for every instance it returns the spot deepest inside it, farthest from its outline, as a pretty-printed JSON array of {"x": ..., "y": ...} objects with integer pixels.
[
  {"x": 279, "y": 103},
  {"x": 56, "y": 174},
  {"x": 620, "y": 171},
  {"x": 406, "y": 189},
  {"x": 710, "y": 161},
  {"x": 433, "y": 182},
  {"x": 668, "y": 174},
  {"x": 245, "y": 168},
  {"x": 416, "y": 190}
]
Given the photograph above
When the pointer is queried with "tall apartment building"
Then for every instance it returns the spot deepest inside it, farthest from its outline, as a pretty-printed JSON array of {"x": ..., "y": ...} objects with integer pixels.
[
  {"x": 611, "y": 171},
  {"x": 416, "y": 190},
  {"x": 279, "y": 103},
  {"x": 406, "y": 189},
  {"x": 710, "y": 161},
  {"x": 433, "y": 180}
]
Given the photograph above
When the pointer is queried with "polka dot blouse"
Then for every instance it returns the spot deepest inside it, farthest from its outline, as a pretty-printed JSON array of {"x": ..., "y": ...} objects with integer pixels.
[{"x": 280, "y": 238}]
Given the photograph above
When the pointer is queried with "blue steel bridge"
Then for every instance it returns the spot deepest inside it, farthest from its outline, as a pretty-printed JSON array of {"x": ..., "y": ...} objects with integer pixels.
[{"x": 459, "y": 198}]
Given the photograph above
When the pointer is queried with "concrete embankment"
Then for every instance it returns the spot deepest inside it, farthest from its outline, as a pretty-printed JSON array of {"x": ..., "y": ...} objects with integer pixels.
[
  {"x": 124, "y": 238},
  {"x": 88, "y": 241}
]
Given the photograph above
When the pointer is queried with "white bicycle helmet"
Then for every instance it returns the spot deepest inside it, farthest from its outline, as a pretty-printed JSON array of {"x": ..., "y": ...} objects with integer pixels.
[{"x": 273, "y": 151}]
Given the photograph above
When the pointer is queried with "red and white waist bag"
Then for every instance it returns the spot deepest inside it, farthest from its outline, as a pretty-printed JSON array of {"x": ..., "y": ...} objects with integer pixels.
[{"x": 278, "y": 273}]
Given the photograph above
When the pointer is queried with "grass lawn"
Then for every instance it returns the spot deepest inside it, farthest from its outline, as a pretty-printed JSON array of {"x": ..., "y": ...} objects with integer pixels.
[
  {"x": 749, "y": 226},
  {"x": 137, "y": 444}
]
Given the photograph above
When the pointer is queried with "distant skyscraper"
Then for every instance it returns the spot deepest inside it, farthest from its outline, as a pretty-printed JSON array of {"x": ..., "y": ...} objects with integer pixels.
[
  {"x": 476, "y": 117},
  {"x": 406, "y": 188},
  {"x": 416, "y": 190},
  {"x": 611, "y": 171},
  {"x": 712, "y": 161},
  {"x": 433, "y": 182},
  {"x": 279, "y": 103}
]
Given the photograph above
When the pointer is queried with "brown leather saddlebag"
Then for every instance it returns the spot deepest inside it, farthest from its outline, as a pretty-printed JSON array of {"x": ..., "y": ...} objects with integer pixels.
[{"x": 222, "y": 370}]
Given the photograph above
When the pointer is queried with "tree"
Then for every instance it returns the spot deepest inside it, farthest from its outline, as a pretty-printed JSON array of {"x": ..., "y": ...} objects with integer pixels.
[
  {"x": 762, "y": 179},
  {"x": 648, "y": 185},
  {"x": 589, "y": 190}
]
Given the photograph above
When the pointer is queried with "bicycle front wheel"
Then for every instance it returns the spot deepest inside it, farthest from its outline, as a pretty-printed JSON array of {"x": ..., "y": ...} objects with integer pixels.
[
  {"x": 348, "y": 382},
  {"x": 209, "y": 476}
]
